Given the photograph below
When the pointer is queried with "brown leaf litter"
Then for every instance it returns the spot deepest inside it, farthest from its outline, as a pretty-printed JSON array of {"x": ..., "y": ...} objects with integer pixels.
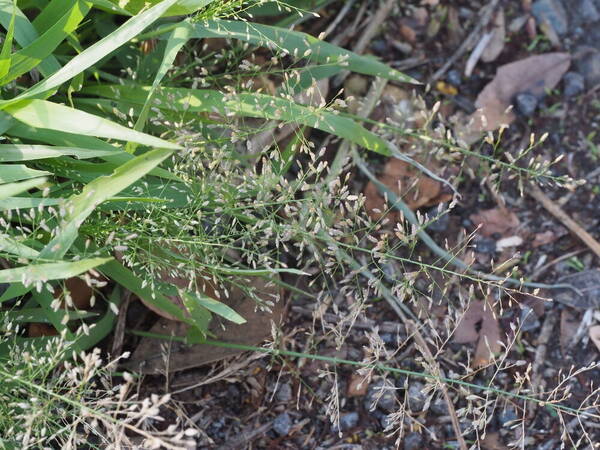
[{"x": 534, "y": 75}]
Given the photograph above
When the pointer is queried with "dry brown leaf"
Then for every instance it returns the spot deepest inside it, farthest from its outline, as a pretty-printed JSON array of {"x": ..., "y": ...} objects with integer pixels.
[
  {"x": 568, "y": 327},
  {"x": 492, "y": 441},
  {"x": 543, "y": 238},
  {"x": 533, "y": 75},
  {"x": 479, "y": 314},
  {"x": 466, "y": 330},
  {"x": 489, "y": 338},
  {"x": 358, "y": 385},
  {"x": 151, "y": 357},
  {"x": 407, "y": 182},
  {"x": 595, "y": 335},
  {"x": 496, "y": 220},
  {"x": 496, "y": 44},
  {"x": 36, "y": 329}
]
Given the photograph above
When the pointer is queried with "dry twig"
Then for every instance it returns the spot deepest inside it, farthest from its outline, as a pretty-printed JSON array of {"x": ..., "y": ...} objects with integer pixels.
[{"x": 557, "y": 212}]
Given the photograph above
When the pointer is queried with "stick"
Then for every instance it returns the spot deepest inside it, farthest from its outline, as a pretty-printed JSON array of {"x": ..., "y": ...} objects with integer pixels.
[
  {"x": 486, "y": 16},
  {"x": 557, "y": 212}
]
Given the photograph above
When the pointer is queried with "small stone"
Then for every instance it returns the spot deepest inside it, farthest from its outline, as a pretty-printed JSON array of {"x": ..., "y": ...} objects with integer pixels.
[
  {"x": 484, "y": 245},
  {"x": 383, "y": 394},
  {"x": 589, "y": 66},
  {"x": 437, "y": 222},
  {"x": 413, "y": 441},
  {"x": 379, "y": 46},
  {"x": 574, "y": 84},
  {"x": 348, "y": 421},
  {"x": 284, "y": 393},
  {"x": 506, "y": 416},
  {"x": 553, "y": 13},
  {"x": 282, "y": 424},
  {"x": 526, "y": 104},
  {"x": 529, "y": 320},
  {"x": 416, "y": 398},
  {"x": 584, "y": 12},
  {"x": 454, "y": 78},
  {"x": 439, "y": 407}
]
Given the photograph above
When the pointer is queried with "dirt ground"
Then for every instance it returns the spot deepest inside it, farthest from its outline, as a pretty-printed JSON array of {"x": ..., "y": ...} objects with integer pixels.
[{"x": 281, "y": 402}]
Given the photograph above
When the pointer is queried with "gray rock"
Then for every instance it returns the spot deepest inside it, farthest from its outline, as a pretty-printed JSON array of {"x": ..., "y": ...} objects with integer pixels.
[
  {"x": 507, "y": 416},
  {"x": 413, "y": 441},
  {"x": 485, "y": 245},
  {"x": 589, "y": 66},
  {"x": 416, "y": 398},
  {"x": 282, "y": 424},
  {"x": 383, "y": 394},
  {"x": 284, "y": 393},
  {"x": 583, "y": 12},
  {"x": 454, "y": 77},
  {"x": 528, "y": 319},
  {"x": 526, "y": 104},
  {"x": 551, "y": 12},
  {"x": 574, "y": 84},
  {"x": 348, "y": 421},
  {"x": 439, "y": 407}
]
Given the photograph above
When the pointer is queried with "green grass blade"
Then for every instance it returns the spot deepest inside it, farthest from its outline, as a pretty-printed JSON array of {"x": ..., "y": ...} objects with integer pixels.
[
  {"x": 32, "y": 55},
  {"x": 12, "y": 203},
  {"x": 215, "y": 306},
  {"x": 26, "y": 152},
  {"x": 97, "y": 51},
  {"x": 250, "y": 105},
  {"x": 38, "y": 315},
  {"x": 126, "y": 278},
  {"x": 50, "y": 271},
  {"x": 19, "y": 172},
  {"x": 49, "y": 115},
  {"x": 5, "y": 53},
  {"x": 25, "y": 34},
  {"x": 9, "y": 190},
  {"x": 181, "y": 8},
  {"x": 80, "y": 206},
  {"x": 297, "y": 44},
  {"x": 14, "y": 247}
]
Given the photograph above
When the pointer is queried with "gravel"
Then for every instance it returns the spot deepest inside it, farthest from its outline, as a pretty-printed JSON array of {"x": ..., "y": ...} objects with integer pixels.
[
  {"x": 349, "y": 421},
  {"x": 574, "y": 84},
  {"x": 386, "y": 401},
  {"x": 282, "y": 424},
  {"x": 413, "y": 441},
  {"x": 552, "y": 12},
  {"x": 284, "y": 393},
  {"x": 526, "y": 104},
  {"x": 416, "y": 398}
]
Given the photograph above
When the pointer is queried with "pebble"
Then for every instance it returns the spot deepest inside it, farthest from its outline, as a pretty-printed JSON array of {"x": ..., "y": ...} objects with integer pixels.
[
  {"x": 348, "y": 421},
  {"x": 416, "y": 398},
  {"x": 284, "y": 393},
  {"x": 386, "y": 400},
  {"x": 439, "y": 407},
  {"x": 506, "y": 416},
  {"x": 574, "y": 84},
  {"x": 553, "y": 12},
  {"x": 454, "y": 78},
  {"x": 379, "y": 46},
  {"x": 484, "y": 245},
  {"x": 589, "y": 67},
  {"x": 282, "y": 424},
  {"x": 526, "y": 104},
  {"x": 529, "y": 320},
  {"x": 439, "y": 222},
  {"x": 584, "y": 11},
  {"x": 413, "y": 441}
]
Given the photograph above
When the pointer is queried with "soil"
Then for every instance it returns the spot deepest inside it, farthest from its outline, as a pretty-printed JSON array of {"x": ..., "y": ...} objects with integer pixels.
[{"x": 282, "y": 402}]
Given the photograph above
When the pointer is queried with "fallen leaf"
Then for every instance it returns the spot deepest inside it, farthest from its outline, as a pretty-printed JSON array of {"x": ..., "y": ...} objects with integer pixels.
[
  {"x": 543, "y": 238},
  {"x": 496, "y": 44},
  {"x": 533, "y": 75},
  {"x": 407, "y": 182},
  {"x": 595, "y": 335},
  {"x": 466, "y": 331},
  {"x": 508, "y": 242},
  {"x": 496, "y": 220},
  {"x": 35, "y": 329},
  {"x": 492, "y": 441},
  {"x": 587, "y": 284},
  {"x": 480, "y": 324},
  {"x": 489, "y": 338},
  {"x": 568, "y": 327},
  {"x": 358, "y": 385},
  {"x": 156, "y": 356}
]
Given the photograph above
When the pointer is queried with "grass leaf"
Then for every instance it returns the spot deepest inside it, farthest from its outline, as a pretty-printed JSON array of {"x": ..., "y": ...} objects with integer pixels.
[{"x": 50, "y": 271}]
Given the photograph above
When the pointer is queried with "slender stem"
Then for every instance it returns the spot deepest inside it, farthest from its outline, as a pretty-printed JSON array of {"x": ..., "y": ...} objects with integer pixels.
[{"x": 378, "y": 366}]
